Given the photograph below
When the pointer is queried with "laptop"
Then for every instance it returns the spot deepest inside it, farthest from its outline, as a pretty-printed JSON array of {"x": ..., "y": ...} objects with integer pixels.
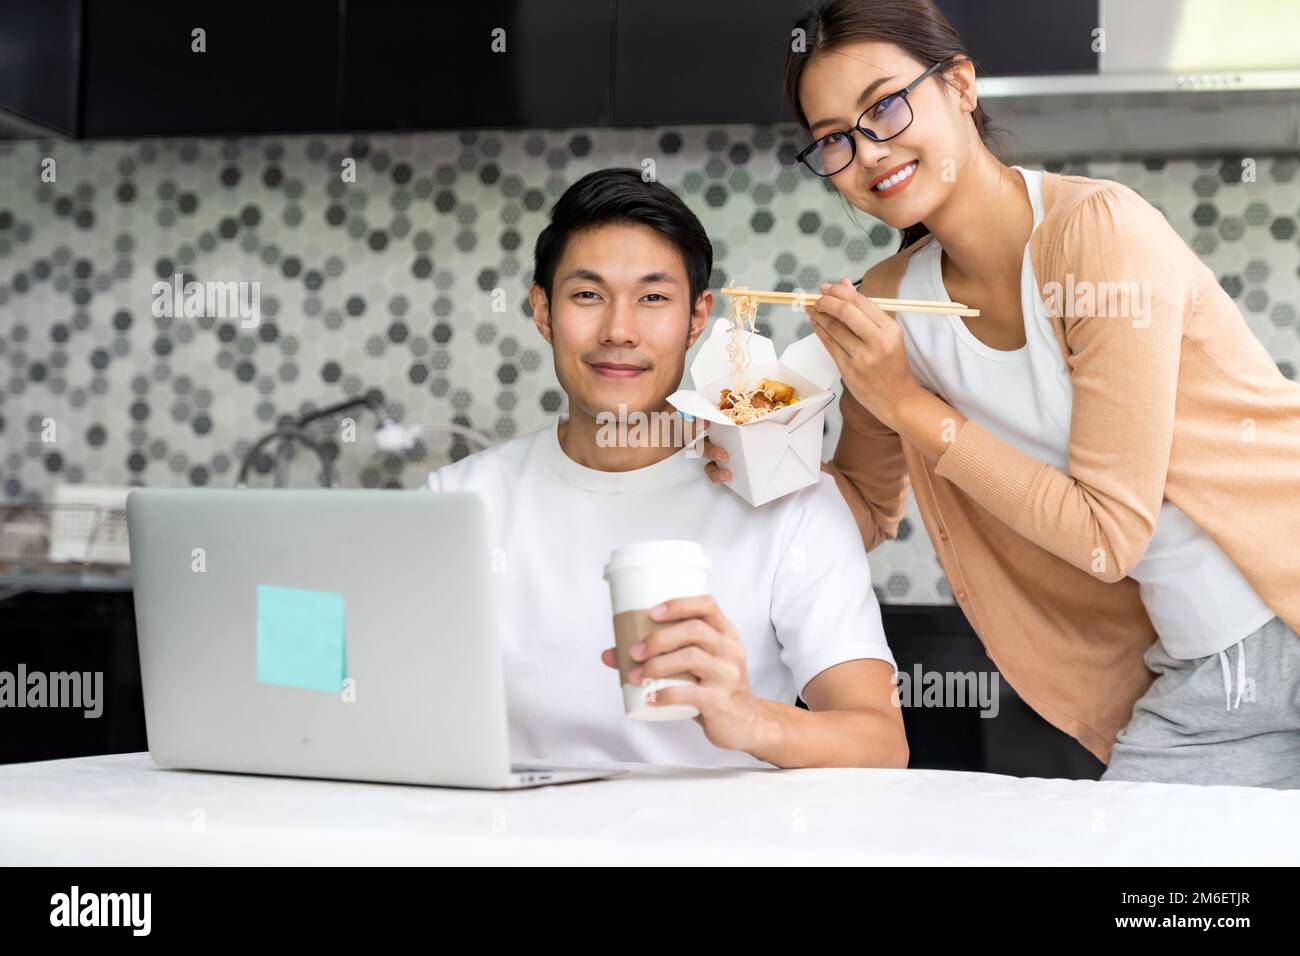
[{"x": 344, "y": 634}]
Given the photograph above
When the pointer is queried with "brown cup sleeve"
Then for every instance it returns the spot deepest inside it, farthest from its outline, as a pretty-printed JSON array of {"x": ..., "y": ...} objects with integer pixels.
[{"x": 630, "y": 628}]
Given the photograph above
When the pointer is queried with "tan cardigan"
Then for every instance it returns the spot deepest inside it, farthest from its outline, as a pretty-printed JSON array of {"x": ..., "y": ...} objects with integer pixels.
[{"x": 1181, "y": 403}]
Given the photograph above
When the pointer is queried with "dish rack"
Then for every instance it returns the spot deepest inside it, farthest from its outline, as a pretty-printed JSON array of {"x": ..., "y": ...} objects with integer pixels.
[
  {"x": 88, "y": 525},
  {"x": 24, "y": 534}
]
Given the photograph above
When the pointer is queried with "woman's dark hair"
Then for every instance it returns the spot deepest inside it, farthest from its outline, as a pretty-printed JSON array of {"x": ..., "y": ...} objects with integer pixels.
[
  {"x": 916, "y": 26},
  {"x": 610, "y": 196}
]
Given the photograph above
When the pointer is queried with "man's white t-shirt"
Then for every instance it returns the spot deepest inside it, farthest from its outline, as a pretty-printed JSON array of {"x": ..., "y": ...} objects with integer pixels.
[{"x": 791, "y": 575}]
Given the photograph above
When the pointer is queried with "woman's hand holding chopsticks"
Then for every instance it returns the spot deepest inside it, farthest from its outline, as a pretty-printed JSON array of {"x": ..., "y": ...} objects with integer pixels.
[{"x": 866, "y": 343}]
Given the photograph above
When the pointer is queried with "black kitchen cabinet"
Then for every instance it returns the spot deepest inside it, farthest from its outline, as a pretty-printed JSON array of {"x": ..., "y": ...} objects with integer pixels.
[
  {"x": 75, "y": 632},
  {"x": 1026, "y": 37},
  {"x": 109, "y": 68},
  {"x": 717, "y": 62},
  {"x": 929, "y": 641},
  {"x": 723, "y": 61},
  {"x": 434, "y": 66},
  {"x": 39, "y": 61},
  {"x": 269, "y": 67}
]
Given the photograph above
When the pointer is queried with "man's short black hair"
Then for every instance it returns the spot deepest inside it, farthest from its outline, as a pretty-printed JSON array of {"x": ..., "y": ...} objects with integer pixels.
[{"x": 612, "y": 196}]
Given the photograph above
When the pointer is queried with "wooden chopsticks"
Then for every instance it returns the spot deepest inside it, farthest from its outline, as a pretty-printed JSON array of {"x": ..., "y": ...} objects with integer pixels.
[{"x": 889, "y": 305}]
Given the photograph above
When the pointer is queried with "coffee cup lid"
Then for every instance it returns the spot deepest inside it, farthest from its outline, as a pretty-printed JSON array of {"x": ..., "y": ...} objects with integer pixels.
[{"x": 642, "y": 553}]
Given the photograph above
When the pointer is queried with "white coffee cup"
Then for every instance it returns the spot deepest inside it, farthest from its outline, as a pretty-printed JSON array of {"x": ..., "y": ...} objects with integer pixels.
[{"x": 641, "y": 576}]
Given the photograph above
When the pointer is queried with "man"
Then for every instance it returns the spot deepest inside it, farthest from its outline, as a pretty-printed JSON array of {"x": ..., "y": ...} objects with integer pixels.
[{"x": 620, "y": 292}]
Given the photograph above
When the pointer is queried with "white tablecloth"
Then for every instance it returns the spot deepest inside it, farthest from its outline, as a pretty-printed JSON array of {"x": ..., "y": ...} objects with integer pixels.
[{"x": 125, "y": 810}]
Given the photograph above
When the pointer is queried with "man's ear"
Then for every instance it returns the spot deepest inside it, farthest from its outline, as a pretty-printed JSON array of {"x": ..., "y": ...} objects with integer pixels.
[
  {"x": 700, "y": 316},
  {"x": 541, "y": 310}
]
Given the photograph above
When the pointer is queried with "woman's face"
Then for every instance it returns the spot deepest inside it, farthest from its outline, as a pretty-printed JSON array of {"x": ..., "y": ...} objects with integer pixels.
[{"x": 929, "y": 154}]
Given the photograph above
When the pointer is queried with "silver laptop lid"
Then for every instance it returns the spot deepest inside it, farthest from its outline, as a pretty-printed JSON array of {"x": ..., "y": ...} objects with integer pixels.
[{"x": 252, "y": 605}]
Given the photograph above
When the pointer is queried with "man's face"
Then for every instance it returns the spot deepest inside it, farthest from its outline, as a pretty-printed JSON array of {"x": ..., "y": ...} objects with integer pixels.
[{"x": 620, "y": 318}]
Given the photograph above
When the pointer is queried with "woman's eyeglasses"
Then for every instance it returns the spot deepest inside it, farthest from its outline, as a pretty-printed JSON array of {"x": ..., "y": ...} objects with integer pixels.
[{"x": 881, "y": 121}]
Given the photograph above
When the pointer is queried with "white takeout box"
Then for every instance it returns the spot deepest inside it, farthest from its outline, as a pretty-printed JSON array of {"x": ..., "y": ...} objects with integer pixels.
[{"x": 780, "y": 452}]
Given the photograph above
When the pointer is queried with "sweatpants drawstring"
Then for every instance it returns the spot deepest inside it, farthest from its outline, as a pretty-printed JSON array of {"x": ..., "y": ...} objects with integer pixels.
[{"x": 1227, "y": 675}]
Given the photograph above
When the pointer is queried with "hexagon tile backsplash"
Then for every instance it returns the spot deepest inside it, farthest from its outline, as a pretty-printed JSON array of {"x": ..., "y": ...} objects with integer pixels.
[{"x": 412, "y": 283}]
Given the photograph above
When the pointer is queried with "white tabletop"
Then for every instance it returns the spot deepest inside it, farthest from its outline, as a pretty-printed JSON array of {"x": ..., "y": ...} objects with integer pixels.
[{"x": 125, "y": 810}]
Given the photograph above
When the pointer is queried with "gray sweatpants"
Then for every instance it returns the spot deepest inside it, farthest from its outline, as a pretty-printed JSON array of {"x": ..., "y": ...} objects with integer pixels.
[{"x": 1232, "y": 718}]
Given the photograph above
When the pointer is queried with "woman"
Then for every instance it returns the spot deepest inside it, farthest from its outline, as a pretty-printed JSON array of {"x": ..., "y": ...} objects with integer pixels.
[{"x": 1106, "y": 459}]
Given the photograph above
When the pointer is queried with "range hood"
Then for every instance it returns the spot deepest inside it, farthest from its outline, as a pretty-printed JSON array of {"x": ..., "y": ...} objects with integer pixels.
[{"x": 1174, "y": 77}]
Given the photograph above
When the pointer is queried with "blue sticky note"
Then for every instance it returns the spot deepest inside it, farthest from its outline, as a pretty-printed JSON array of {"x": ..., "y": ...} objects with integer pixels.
[{"x": 300, "y": 638}]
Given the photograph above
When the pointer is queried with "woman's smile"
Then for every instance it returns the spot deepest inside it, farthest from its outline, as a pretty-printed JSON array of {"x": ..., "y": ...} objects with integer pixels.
[{"x": 893, "y": 181}]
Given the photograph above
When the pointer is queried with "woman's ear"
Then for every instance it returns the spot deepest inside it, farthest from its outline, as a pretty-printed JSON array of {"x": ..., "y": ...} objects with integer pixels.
[
  {"x": 541, "y": 310},
  {"x": 961, "y": 80},
  {"x": 700, "y": 316}
]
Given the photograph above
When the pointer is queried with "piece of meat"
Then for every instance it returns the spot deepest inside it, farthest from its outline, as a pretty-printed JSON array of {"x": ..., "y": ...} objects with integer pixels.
[{"x": 782, "y": 394}]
